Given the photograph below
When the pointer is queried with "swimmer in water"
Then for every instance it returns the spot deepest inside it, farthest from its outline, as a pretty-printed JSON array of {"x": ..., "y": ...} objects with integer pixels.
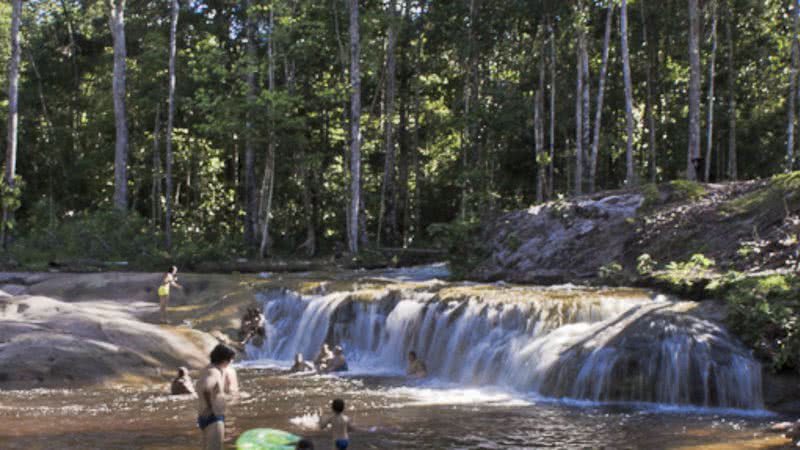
[
  {"x": 323, "y": 358},
  {"x": 182, "y": 384},
  {"x": 339, "y": 362},
  {"x": 301, "y": 365},
  {"x": 170, "y": 280},
  {"x": 216, "y": 386},
  {"x": 340, "y": 425},
  {"x": 416, "y": 368}
]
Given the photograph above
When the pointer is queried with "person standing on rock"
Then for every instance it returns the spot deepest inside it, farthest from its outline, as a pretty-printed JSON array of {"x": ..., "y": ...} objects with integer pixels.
[
  {"x": 170, "y": 279},
  {"x": 217, "y": 384}
]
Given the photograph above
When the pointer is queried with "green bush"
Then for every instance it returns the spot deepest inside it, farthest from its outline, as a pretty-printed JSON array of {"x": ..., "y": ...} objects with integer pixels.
[
  {"x": 645, "y": 264},
  {"x": 763, "y": 312},
  {"x": 685, "y": 273},
  {"x": 611, "y": 273},
  {"x": 463, "y": 244}
]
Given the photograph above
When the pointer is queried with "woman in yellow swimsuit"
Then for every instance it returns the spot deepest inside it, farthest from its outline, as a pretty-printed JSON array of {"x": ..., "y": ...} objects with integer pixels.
[{"x": 170, "y": 279}]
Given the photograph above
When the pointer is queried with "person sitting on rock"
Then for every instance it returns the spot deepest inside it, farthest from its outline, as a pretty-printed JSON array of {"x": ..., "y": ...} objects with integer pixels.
[
  {"x": 182, "y": 384},
  {"x": 323, "y": 358},
  {"x": 416, "y": 368},
  {"x": 339, "y": 362},
  {"x": 301, "y": 365}
]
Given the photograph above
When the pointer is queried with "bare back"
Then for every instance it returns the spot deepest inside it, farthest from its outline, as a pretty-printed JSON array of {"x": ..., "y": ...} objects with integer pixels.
[{"x": 340, "y": 425}]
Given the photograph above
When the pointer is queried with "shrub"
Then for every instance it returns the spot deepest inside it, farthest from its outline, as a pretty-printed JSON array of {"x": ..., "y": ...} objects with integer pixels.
[
  {"x": 645, "y": 264},
  {"x": 463, "y": 244}
]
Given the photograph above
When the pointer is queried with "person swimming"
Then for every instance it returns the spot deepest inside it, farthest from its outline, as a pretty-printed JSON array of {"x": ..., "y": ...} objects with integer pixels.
[
  {"x": 301, "y": 365},
  {"x": 216, "y": 385},
  {"x": 170, "y": 279},
  {"x": 182, "y": 384},
  {"x": 339, "y": 362},
  {"x": 416, "y": 368},
  {"x": 323, "y": 358},
  {"x": 340, "y": 425}
]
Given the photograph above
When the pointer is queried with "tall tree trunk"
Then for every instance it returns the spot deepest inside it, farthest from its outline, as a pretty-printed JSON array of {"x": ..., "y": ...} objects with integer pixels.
[
  {"x": 649, "y": 115},
  {"x": 598, "y": 114},
  {"x": 538, "y": 127},
  {"x": 117, "y": 25},
  {"x": 467, "y": 139},
  {"x": 693, "y": 154},
  {"x": 173, "y": 49},
  {"x": 250, "y": 192},
  {"x": 74, "y": 100},
  {"x": 792, "y": 91},
  {"x": 579, "y": 110},
  {"x": 732, "y": 74},
  {"x": 388, "y": 211},
  {"x": 13, "y": 114},
  {"x": 415, "y": 144},
  {"x": 630, "y": 175},
  {"x": 355, "y": 127},
  {"x": 156, "y": 214},
  {"x": 268, "y": 181},
  {"x": 587, "y": 96},
  {"x": 711, "y": 73},
  {"x": 551, "y": 166}
]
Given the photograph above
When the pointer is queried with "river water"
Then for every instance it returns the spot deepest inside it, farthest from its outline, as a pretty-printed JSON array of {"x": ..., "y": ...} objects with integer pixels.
[{"x": 511, "y": 367}]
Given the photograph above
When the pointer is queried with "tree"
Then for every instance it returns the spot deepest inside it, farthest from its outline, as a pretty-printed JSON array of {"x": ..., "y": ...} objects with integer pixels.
[
  {"x": 600, "y": 91},
  {"x": 579, "y": 113},
  {"x": 268, "y": 181},
  {"x": 388, "y": 210},
  {"x": 792, "y": 91},
  {"x": 732, "y": 170},
  {"x": 538, "y": 112},
  {"x": 250, "y": 196},
  {"x": 710, "y": 112},
  {"x": 173, "y": 27},
  {"x": 13, "y": 120},
  {"x": 551, "y": 167},
  {"x": 117, "y": 25},
  {"x": 649, "y": 106},
  {"x": 355, "y": 127},
  {"x": 693, "y": 157},
  {"x": 630, "y": 176}
]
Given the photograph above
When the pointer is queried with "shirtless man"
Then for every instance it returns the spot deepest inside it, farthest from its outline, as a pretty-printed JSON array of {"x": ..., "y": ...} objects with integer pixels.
[
  {"x": 301, "y": 365},
  {"x": 339, "y": 362},
  {"x": 340, "y": 424},
  {"x": 216, "y": 385},
  {"x": 416, "y": 368},
  {"x": 182, "y": 384},
  {"x": 323, "y": 358}
]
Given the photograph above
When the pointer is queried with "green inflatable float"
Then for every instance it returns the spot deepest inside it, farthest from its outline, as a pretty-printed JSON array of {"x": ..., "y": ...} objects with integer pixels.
[{"x": 266, "y": 439}]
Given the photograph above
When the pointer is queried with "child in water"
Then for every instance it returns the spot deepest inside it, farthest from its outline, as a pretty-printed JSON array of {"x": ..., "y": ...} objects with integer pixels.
[{"x": 340, "y": 425}]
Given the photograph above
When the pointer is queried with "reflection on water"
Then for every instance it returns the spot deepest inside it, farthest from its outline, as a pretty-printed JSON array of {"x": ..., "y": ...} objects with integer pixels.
[{"x": 389, "y": 411}]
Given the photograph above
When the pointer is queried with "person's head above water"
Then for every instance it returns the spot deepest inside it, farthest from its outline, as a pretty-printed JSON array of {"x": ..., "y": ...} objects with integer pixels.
[
  {"x": 222, "y": 355},
  {"x": 337, "y": 406},
  {"x": 412, "y": 355},
  {"x": 338, "y": 350},
  {"x": 298, "y": 358},
  {"x": 182, "y": 372},
  {"x": 304, "y": 444}
]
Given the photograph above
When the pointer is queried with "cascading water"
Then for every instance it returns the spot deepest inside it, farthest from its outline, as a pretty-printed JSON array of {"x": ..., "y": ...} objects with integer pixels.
[{"x": 557, "y": 342}]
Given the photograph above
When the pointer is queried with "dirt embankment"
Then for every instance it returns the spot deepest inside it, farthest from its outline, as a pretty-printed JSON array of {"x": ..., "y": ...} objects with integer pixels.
[{"x": 74, "y": 329}]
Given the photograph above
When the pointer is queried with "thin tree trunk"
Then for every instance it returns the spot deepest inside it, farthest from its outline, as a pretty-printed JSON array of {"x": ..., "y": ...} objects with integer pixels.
[
  {"x": 250, "y": 196},
  {"x": 415, "y": 145},
  {"x": 579, "y": 111},
  {"x": 711, "y": 73},
  {"x": 587, "y": 97},
  {"x": 467, "y": 137},
  {"x": 268, "y": 181},
  {"x": 387, "y": 206},
  {"x": 732, "y": 169},
  {"x": 355, "y": 128},
  {"x": 600, "y": 91},
  {"x": 630, "y": 175},
  {"x": 538, "y": 121},
  {"x": 173, "y": 49},
  {"x": 117, "y": 25},
  {"x": 792, "y": 91},
  {"x": 157, "y": 170},
  {"x": 693, "y": 154},
  {"x": 13, "y": 114},
  {"x": 649, "y": 116},
  {"x": 74, "y": 116},
  {"x": 551, "y": 166}
]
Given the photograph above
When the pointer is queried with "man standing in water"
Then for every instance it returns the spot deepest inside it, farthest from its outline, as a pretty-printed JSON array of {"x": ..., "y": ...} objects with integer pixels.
[
  {"x": 170, "y": 279},
  {"x": 216, "y": 381}
]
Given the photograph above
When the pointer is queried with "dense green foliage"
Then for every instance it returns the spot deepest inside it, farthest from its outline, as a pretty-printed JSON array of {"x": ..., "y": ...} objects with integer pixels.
[
  {"x": 763, "y": 312},
  {"x": 464, "y": 116}
]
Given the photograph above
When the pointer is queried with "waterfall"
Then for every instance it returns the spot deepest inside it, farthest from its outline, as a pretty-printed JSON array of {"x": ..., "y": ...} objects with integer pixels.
[{"x": 596, "y": 345}]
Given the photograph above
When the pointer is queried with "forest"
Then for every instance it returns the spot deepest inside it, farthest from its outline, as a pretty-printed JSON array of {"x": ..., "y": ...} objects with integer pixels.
[{"x": 155, "y": 130}]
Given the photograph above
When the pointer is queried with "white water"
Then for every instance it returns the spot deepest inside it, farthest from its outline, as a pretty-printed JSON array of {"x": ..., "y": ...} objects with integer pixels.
[{"x": 586, "y": 346}]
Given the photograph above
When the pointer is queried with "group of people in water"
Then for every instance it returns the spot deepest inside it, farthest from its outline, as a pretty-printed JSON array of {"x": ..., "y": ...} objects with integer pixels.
[{"x": 217, "y": 385}]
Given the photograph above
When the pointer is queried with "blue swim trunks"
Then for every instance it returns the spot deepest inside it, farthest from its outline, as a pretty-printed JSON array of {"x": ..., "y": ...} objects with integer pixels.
[
  {"x": 204, "y": 421},
  {"x": 341, "y": 444}
]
